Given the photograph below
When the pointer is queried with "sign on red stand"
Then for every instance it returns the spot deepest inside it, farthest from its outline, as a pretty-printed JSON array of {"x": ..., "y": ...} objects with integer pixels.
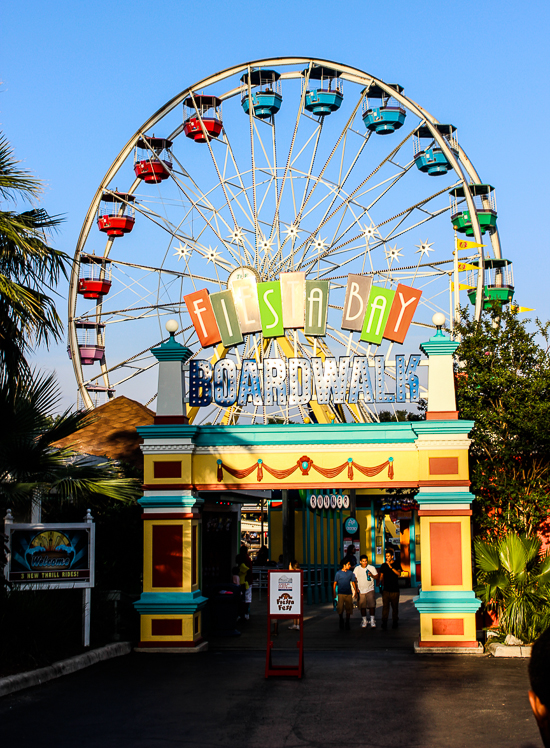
[{"x": 285, "y": 599}]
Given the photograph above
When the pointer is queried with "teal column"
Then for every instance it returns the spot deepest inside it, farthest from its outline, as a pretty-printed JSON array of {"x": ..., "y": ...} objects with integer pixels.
[
  {"x": 316, "y": 586},
  {"x": 373, "y": 533},
  {"x": 412, "y": 548},
  {"x": 308, "y": 512},
  {"x": 322, "y": 538}
]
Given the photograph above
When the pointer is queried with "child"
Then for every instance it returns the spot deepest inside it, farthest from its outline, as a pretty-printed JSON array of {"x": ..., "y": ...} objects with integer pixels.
[
  {"x": 244, "y": 568},
  {"x": 294, "y": 566},
  {"x": 347, "y": 589},
  {"x": 235, "y": 575}
]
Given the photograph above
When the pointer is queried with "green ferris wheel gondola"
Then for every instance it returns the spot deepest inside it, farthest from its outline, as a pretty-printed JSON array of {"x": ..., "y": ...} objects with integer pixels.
[{"x": 486, "y": 209}]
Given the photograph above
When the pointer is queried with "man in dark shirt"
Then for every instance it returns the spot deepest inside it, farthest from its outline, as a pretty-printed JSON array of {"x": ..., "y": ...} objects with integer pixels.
[
  {"x": 539, "y": 695},
  {"x": 347, "y": 589},
  {"x": 389, "y": 579}
]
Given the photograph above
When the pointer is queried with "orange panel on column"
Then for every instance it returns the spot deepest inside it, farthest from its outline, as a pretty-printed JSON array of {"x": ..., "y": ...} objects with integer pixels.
[
  {"x": 446, "y": 553},
  {"x": 194, "y": 555},
  {"x": 448, "y": 626},
  {"x": 167, "y": 556},
  {"x": 443, "y": 465}
]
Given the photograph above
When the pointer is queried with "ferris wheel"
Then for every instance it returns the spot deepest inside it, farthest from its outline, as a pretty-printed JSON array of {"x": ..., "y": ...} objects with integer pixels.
[{"x": 285, "y": 165}]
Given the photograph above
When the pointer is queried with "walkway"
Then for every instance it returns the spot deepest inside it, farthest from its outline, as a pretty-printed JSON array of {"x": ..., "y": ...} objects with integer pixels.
[{"x": 321, "y": 632}]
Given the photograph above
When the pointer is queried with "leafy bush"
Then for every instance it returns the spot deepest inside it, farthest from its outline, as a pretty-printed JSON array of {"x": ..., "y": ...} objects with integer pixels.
[{"x": 514, "y": 582}]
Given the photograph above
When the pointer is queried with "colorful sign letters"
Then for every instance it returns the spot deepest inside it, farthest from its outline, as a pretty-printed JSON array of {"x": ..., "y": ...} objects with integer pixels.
[
  {"x": 300, "y": 380},
  {"x": 293, "y": 302}
]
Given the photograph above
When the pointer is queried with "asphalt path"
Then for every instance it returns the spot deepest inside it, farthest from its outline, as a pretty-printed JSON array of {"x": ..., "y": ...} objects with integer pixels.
[{"x": 381, "y": 699}]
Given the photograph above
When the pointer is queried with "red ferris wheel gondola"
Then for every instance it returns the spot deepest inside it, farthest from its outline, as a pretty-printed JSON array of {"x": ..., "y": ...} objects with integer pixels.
[
  {"x": 94, "y": 281},
  {"x": 153, "y": 159},
  {"x": 116, "y": 213},
  {"x": 198, "y": 109}
]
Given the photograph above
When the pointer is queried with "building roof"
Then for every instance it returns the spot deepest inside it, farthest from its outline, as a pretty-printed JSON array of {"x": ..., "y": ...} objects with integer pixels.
[{"x": 113, "y": 432}]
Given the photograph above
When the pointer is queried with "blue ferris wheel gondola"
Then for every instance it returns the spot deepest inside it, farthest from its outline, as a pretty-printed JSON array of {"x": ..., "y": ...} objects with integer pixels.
[
  {"x": 388, "y": 116},
  {"x": 325, "y": 91},
  {"x": 267, "y": 101}
]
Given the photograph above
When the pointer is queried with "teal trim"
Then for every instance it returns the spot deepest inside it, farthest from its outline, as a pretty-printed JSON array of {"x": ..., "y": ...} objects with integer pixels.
[
  {"x": 171, "y": 351},
  {"x": 439, "y": 345},
  {"x": 304, "y": 433},
  {"x": 285, "y": 434},
  {"x": 455, "y": 427},
  {"x": 412, "y": 547},
  {"x": 373, "y": 533},
  {"x": 167, "y": 431},
  {"x": 452, "y": 497},
  {"x": 185, "y": 502},
  {"x": 170, "y": 603},
  {"x": 447, "y": 602}
]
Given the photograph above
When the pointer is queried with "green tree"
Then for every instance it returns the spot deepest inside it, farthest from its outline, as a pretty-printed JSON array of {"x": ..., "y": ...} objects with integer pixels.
[
  {"x": 514, "y": 582},
  {"x": 29, "y": 268},
  {"x": 503, "y": 384},
  {"x": 32, "y": 465}
]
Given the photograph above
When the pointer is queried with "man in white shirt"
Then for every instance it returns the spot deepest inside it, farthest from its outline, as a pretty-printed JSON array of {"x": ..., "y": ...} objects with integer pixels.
[{"x": 365, "y": 574}]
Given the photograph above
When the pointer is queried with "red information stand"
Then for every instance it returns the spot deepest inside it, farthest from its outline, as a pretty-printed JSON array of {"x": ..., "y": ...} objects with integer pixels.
[{"x": 285, "y": 600}]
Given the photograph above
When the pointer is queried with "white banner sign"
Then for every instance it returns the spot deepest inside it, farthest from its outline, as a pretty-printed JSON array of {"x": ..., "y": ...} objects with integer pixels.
[{"x": 285, "y": 593}]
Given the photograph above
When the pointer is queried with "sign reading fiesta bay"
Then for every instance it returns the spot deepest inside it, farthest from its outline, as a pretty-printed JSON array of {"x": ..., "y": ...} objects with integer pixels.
[{"x": 292, "y": 302}]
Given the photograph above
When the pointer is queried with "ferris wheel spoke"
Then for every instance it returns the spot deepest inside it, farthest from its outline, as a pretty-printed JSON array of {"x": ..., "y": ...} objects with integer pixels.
[
  {"x": 239, "y": 176},
  {"x": 418, "y": 204},
  {"x": 211, "y": 150},
  {"x": 290, "y": 150},
  {"x": 202, "y": 211},
  {"x": 353, "y": 194},
  {"x": 329, "y": 159},
  {"x": 343, "y": 181}
]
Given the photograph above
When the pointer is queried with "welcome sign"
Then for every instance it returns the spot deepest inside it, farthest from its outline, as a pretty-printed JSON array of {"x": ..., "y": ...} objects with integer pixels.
[{"x": 249, "y": 306}]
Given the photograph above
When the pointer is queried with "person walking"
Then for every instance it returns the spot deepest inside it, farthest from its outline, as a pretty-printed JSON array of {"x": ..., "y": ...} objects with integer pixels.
[
  {"x": 244, "y": 569},
  {"x": 389, "y": 573},
  {"x": 294, "y": 566},
  {"x": 347, "y": 589},
  {"x": 365, "y": 574},
  {"x": 351, "y": 557},
  {"x": 246, "y": 561}
]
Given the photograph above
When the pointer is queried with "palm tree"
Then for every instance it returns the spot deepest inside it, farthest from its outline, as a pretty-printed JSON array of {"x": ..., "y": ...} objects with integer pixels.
[
  {"x": 30, "y": 463},
  {"x": 514, "y": 582},
  {"x": 29, "y": 268}
]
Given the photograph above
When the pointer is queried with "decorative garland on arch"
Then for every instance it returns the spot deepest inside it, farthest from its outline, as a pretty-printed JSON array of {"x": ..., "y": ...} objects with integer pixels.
[{"x": 304, "y": 464}]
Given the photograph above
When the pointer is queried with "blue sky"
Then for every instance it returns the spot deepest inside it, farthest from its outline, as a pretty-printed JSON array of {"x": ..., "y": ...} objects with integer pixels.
[{"x": 78, "y": 79}]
